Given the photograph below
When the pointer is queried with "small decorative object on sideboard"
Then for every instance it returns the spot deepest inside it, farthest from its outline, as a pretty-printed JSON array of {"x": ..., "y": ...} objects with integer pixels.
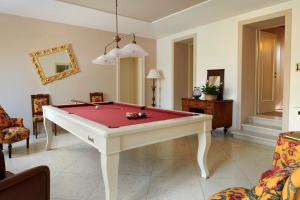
[
  {"x": 211, "y": 91},
  {"x": 197, "y": 93}
]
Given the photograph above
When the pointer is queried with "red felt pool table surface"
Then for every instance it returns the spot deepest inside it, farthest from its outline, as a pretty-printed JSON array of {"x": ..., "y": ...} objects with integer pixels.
[{"x": 113, "y": 115}]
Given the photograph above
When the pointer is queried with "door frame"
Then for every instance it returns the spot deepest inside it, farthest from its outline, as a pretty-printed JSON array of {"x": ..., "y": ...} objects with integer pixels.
[
  {"x": 287, "y": 14},
  {"x": 141, "y": 80},
  {"x": 190, "y": 36}
]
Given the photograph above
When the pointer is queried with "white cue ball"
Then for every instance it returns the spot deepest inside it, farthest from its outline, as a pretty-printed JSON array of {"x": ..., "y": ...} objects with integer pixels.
[{"x": 97, "y": 107}]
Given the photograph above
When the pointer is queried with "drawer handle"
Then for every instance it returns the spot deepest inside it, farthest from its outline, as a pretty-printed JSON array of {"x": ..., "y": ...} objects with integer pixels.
[{"x": 91, "y": 139}]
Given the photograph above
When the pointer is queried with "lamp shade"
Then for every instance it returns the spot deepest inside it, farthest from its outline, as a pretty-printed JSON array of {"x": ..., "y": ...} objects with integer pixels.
[
  {"x": 117, "y": 53},
  {"x": 153, "y": 74},
  {"x": 134, "y": 50},
  {"x": 105, "y": 60}
]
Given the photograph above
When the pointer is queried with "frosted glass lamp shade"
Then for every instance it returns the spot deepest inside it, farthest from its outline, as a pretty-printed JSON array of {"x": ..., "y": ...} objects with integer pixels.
[
  {"x": 153, "y": 74},
  {"x": 105, "y": 60},
  {"x": 134, "y": 50},
  {"x": 117, "y": 53}
]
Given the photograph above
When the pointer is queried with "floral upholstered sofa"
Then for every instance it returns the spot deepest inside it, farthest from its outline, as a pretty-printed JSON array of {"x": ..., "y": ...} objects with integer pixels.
[{"x": 282, "y": 182}]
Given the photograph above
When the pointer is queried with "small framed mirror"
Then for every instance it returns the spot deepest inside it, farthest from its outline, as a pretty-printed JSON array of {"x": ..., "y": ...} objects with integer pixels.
[
  {"x": 216, "y": 77},
  {"x": 54, "y": 63}
]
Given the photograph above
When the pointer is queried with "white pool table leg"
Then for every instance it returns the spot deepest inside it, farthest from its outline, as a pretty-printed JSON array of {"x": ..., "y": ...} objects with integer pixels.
[
  {"x": 204, "y": 140},
  {"x": 49, "y": 132},
  {"x": 110, "y": 170}
]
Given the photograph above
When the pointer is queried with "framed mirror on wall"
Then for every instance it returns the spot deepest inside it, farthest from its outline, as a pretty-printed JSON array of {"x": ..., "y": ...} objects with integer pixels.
[
  {"x": 54, "y": 63},
  {"x": 216, "y": 77}
]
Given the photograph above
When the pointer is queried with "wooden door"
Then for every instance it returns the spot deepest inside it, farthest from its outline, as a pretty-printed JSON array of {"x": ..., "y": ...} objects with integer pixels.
[
  {"x": 128, "y": 80},
  {"x": 266, "y": 72}
]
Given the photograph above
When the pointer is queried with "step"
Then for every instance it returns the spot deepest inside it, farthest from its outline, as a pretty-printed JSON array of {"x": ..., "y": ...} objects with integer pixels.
[
  {"x": 262, "y": 129},
  {"x": 266, "y": 120},
  {"x": 255, "y": 137}
]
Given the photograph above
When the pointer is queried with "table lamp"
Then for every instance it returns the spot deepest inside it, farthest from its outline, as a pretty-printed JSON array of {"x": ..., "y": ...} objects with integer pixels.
[{"x": 153, "y": 74}]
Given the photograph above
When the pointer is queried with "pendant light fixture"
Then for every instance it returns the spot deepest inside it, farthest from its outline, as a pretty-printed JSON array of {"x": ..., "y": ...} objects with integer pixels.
[{"x": 130, "y": 50}]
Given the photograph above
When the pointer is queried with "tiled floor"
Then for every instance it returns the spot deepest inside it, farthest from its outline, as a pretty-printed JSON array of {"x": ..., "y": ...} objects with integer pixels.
[{"x": 165, "y": 171}]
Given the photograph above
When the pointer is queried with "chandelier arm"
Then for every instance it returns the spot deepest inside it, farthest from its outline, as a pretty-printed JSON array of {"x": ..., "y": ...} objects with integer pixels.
[
  {"x": 128, "y": 35},
  {"x": 123, "y": 36},
  {"x": 109, "y": 44}
]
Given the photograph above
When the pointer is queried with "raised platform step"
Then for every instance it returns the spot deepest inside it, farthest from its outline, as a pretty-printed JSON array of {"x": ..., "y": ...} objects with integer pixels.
[
  {"x": 262, "y": 129},
  {"x": 266, "y": 120},
  {"x": 255, "y": 137}
]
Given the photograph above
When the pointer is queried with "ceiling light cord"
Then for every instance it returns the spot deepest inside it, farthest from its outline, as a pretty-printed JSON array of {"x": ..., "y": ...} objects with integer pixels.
[
  {"x": 117, "y": 29},
  {"x": 117, "y": 37}
]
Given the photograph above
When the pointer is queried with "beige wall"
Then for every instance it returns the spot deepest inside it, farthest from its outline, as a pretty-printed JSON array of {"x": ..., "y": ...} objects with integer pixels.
[
  {"x": 217, "y": 47},
  {"x": 18, "y": 78},
  {"x": 248, "y": 72},
  {"x": 181, "y": 64}
]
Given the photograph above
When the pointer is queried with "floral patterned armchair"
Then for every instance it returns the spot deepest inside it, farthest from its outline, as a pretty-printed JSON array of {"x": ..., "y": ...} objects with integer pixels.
[
  {"x": 12, "y": 130},
  {"x": 280, "y": 182}
]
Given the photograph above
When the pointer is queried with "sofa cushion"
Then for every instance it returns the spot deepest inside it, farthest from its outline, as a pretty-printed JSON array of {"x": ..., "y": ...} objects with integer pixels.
[
  {"x": 13, "y": 134},
  {"x": 271, "y": 184},
  {"x": 291, "y": 188},
  {"x": 4, "y": 119},
  {"x": 287, "y": 152},
  {"x": 236, "y": 193}
]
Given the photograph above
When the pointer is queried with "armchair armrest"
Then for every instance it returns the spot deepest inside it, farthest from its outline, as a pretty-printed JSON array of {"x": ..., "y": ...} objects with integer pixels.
[
  {"x": 32, "y": 184},
  {"x": 17, "y": 122}
]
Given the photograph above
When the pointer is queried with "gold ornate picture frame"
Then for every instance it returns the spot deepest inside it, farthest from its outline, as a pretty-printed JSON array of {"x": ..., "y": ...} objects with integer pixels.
[{"x": 41, "y": 70}]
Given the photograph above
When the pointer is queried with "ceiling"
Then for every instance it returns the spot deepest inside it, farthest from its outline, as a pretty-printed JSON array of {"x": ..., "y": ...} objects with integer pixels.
[
  {"x": 144, "y": 10},
  {"x": 204, "y": 13}
]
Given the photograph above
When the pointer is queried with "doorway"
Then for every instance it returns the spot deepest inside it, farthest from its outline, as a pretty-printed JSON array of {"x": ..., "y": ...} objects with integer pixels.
[
  {"x": 131, "y": 80},
  {"x": 183, "y": 65},
  {"x": 270, "y": 71},
  {"x": 264, "y": 72}
]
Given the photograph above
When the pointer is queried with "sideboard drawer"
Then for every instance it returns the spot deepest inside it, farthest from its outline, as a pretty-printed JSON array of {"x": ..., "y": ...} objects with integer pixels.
[{"x": 197, "y": 104}]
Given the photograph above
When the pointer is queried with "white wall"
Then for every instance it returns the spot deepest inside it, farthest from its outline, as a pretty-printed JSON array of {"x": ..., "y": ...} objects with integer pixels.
[
  {"x": 217, "y": 47},
  {"x": 18, "y": 78}
]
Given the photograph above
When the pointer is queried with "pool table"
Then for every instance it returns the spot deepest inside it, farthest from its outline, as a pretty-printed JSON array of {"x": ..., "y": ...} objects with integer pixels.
[{"x": 107, "y": 128}]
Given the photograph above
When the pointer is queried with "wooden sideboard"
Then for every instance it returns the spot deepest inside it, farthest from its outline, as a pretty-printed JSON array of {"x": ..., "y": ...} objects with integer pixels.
[{"x": 221, "y": 110}]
